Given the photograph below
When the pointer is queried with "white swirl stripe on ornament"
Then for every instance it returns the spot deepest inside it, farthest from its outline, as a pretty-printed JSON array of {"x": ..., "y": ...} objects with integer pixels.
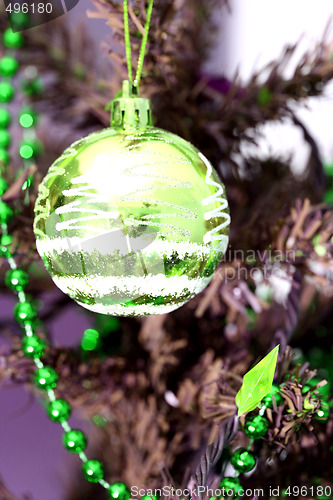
[
  {"x": 155, "y": 286},
  {"x": 216, "y": 212},
  {"x": 61, "y": 244}
]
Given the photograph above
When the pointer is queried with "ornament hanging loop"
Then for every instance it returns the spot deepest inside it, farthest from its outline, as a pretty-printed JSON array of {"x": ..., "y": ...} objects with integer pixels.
[{"x": 128, "y": 48}]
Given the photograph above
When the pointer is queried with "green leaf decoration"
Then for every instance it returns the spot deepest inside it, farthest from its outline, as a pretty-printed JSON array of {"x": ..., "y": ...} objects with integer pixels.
[{"x": 257, "y": 383}]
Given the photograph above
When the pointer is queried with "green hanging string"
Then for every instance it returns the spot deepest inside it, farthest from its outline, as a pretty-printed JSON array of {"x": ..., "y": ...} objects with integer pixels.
[{"x": 143, "y": 44}]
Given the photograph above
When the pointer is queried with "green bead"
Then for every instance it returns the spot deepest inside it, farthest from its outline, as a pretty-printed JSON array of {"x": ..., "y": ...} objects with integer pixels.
[
  {"x": 3, "y": 186},
  {"x": 16, "y": 279},
  {"x": 4, "y": 157},
  {"x": 32, "y": 86},
  {"x": 119, "y": 491},
  {"x": 19, "y": 20},
  {"x": 4, "y": 118},
  {"x": 4, "y": 138},
  {"x": 24, "y": 312},
  {"x": 59, "y": 410},
  {"x": 256, "y": 426},
  {"x": 27, "y": 118},
  {"x": 268, "y": 400},
  {"x": 231, "y": 483},
  {"x": 6, "y": 92},
  {"x": 74, "y": 441},
  {"x": 33, "y": 347},
  {"x": 46, "y": 378},
  {"x": 243, "y": 460},
  {"x": 28, "y": 149},
  {"x": 93, "y": 470},
  {"x": 323, "y": 413},
  {"x": 8, "y": 66},
  {"x": 5, "y": 241},
  {"x": 324, "y": 391},
  {"x": 6, "y": 213},
  {"x": 12, "y": 40}
]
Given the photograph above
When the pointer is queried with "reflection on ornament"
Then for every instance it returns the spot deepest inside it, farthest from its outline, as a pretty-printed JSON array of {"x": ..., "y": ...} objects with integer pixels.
[{"x": 131, "y": 220}]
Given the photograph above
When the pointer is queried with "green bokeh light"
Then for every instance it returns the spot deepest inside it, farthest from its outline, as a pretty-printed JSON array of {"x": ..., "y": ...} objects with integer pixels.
[{"x": 90, "y": 339}]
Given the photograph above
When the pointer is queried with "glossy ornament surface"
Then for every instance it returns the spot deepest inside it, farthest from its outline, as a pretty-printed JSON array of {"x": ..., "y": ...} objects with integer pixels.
[{"x": 131, "y": 221}]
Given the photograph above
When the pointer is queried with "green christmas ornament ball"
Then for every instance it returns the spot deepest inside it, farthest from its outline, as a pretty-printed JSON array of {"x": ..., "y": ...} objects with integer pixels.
[{"x": 131, "y": 220}]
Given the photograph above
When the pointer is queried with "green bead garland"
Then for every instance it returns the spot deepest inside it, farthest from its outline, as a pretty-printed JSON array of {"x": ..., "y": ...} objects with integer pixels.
[
  {"x": 231, "y": 483},
  {"x": 58, "y": 410},
  {"x": 4, "y": 118},
  {"x": 74, "y": 441},
  {"x": 256, "y": 426},
  {"x": 46, "y": 378},
  {"x": 33, "y": 346},
  {"x": 93, "y": 470},
  {"x": 243, "y": 460},
  {"x": 16, "y": 279},
  {"x": 119, "y": 491},
  {"x": 24, "y": 312}
]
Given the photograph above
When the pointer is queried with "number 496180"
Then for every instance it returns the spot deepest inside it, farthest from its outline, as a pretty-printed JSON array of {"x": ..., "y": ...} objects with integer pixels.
[{"x": 26, "y": 8}]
